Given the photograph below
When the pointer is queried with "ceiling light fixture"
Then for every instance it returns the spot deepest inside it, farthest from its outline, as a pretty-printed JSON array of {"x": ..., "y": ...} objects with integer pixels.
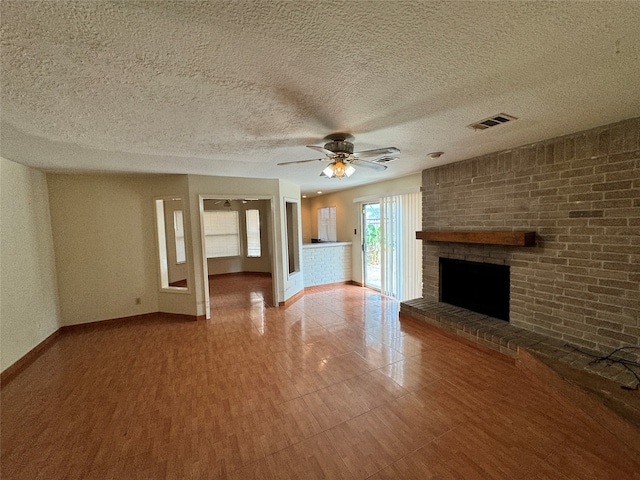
[
  {"x": 434, "y": 155},
  {"x": 339, "y": 169}
]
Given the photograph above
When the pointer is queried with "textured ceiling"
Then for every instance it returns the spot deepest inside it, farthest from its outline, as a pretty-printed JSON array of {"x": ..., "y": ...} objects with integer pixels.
[{"x": 233, "y": 88}]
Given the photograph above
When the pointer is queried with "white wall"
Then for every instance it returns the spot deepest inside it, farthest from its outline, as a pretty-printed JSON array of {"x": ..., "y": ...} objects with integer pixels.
[
  {"x": 29, "y": 310},
  {"x": 103, "y": 231},
  {"x": 293, "y": 282},
  {"x": 349, "y": 214}
]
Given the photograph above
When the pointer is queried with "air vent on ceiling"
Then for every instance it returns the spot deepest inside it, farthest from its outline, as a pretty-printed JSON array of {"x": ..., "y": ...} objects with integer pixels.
[
  {"x": 498, "y": 119},
  {"x": 385, "y": 160}
]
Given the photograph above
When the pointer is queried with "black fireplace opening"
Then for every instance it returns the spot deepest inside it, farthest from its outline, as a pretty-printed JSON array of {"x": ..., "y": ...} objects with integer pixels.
[{"x": 481, "y": 287}]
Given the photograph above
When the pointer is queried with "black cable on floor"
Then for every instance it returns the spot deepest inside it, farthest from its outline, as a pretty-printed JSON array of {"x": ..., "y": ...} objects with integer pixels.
[{"x": 610, "y": 360}]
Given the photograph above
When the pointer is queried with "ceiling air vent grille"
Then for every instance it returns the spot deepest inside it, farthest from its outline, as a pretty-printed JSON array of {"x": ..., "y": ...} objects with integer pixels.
[
  {"x": 498, "y": 119},
  {"x": 384, "y": 160}
]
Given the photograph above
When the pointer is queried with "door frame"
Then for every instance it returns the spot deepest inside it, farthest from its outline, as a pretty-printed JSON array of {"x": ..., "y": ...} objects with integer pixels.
[{"x": 275, "y": 278}]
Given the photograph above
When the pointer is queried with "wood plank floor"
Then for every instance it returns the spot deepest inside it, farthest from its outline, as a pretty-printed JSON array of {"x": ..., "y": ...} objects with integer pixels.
[{"x": 332, "y": 387}]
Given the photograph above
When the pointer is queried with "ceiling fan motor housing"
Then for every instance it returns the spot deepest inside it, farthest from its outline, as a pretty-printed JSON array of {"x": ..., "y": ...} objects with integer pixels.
[{"x": 339, "y": 146}]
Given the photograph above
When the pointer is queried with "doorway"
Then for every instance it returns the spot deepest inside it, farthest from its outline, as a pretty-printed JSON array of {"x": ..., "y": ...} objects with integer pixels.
[
  {"x": 371, "y": 245},
  {"x": 244, "y": 246}
]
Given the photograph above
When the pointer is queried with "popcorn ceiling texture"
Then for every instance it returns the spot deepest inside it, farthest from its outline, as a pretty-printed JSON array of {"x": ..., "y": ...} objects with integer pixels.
[
  {"x": 581, "y": 194},
  {"x": 232, "y": 88}
]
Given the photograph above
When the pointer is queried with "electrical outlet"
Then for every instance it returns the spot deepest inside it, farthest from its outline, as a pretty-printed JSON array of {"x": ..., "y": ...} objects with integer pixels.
[{"x": 138, "y": 300}]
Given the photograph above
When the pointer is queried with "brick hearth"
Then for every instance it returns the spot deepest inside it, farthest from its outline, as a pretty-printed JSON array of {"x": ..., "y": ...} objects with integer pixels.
[{"x": 505, "y": 338}]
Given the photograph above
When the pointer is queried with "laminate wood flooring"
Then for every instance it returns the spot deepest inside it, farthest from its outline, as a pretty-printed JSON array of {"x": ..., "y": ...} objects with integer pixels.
[{"x": 334, "y": 386}]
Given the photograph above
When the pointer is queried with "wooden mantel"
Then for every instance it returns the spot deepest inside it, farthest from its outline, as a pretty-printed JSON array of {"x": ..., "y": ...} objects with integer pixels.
[{"x": 490, "y": 237}]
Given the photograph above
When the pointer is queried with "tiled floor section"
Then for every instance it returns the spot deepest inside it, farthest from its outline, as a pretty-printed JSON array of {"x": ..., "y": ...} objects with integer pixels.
[
  {"x": 334, "y": 386},
  {"x": 505, "y": 338}
]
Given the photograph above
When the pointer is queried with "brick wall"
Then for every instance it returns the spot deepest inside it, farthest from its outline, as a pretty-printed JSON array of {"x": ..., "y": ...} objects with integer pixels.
[
  {"x": 581, "y": 194},
  {"x": 324, "y": 264}
]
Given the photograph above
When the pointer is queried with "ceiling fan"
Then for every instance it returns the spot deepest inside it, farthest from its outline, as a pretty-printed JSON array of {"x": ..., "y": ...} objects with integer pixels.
[{"x": 339, "y": 151}]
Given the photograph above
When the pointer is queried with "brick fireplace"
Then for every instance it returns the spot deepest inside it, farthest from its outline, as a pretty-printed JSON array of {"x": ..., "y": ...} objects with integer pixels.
[{"x": 581, "y": 195}]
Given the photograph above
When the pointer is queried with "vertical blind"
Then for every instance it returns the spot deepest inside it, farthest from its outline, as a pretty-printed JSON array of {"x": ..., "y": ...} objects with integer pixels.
[{"x": 401, "y": 262}]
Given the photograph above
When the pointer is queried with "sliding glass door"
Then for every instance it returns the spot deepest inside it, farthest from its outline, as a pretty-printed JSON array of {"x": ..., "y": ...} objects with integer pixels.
[
  {"x": 372, "y": 247},
  {"x": 392, "y": 257}
]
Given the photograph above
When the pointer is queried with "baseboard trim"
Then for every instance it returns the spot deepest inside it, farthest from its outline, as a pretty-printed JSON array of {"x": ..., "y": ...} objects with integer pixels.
[
  {"x": 133, "y": 318},
  {"x": 27, "y": 359},
  {"x": 292, "y": 299},
  {"x": 231, "y": 274},
  {"x": 357, "y": 284},
  {"x": 110, "y": 322},
  {"x": 181, "y": 316},
  {"x": 328, "y": 285}
]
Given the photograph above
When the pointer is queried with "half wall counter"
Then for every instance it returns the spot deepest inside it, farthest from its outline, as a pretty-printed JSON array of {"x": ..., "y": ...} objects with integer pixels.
[{"x": 326, "y": 262}]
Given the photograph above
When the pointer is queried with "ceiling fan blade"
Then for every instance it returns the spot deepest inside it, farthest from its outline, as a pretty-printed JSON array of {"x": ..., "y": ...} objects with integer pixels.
[
  {"x": 378, "y": 152},
  {"x": 369, "y": 164},
  {"x": 305, "y": 161},
  {"x": 321, "y": 150}
]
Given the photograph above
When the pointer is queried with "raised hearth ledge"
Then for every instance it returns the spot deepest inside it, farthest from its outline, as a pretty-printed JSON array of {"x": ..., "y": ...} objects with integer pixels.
[{"x": 491, "y": 237}]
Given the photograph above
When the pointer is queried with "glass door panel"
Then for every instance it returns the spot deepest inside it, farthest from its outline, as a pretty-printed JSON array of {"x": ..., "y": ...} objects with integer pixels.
[{"x": 371, "y": 245}]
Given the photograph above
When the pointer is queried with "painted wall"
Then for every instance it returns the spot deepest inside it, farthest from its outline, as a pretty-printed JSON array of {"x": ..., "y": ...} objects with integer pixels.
[
  {"x": 29, "y": 307},
  {"x": 306, "y": 220},
  {"x": 103, "y": 231},
  {"x": 349, "y": 213},
  {"x": 292, "y": 282}
]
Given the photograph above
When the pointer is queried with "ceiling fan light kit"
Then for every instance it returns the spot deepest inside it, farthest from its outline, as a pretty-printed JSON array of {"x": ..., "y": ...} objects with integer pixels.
[
  {"x": 339, "y": 169},
  {"x": 339, "y": 150}
]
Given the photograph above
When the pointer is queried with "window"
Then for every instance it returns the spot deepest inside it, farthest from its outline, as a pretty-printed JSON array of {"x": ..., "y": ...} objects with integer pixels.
[
  {"x": 178, "y": 228},
  {"x": 252, "y": 218},
  {"x": 221, "y": 233},
  {"x": 171, "y": 244},
  {"x": 327, "y": 224}
]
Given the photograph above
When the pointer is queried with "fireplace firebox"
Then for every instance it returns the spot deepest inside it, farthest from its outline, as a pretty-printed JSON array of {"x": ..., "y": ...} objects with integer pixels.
[{"x": 481, "y": 287}]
